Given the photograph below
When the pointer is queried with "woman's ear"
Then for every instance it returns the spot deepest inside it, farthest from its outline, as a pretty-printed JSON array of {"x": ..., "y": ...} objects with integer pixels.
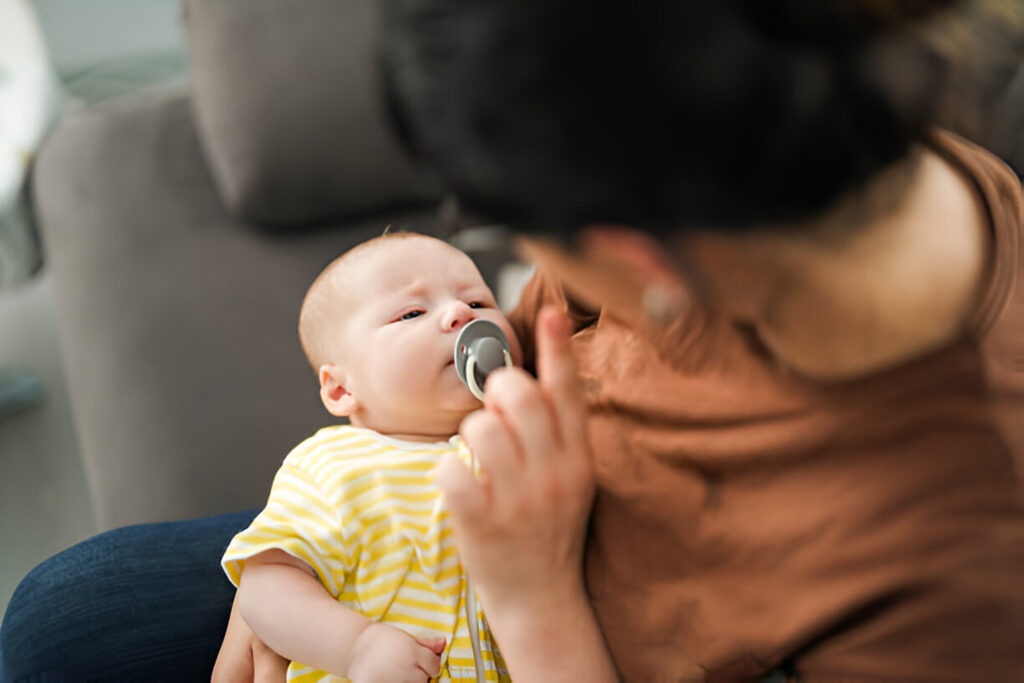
[{"x": 336, "y": 398}]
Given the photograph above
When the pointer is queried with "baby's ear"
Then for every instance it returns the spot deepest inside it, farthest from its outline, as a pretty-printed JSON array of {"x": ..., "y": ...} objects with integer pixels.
[{"x": 336, "y": 398}]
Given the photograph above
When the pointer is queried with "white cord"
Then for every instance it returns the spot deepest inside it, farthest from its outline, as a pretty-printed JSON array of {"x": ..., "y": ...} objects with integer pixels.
[
  {"x": 471, "y": 373},
  {"x": 471, "y": 378}
]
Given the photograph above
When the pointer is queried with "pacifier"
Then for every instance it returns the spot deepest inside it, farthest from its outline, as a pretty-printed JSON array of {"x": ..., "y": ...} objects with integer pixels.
[{"x": 480, "y": 349}]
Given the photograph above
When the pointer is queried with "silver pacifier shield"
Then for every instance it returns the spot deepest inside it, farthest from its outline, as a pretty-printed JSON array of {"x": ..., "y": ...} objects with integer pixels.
[{"x": 480, "y": 349}]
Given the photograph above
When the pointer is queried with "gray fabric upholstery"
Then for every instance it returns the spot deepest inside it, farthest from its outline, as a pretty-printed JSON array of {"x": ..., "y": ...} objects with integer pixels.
[
  {"x": 177, "y": 321},
  {"x": 288, "y": 109}
]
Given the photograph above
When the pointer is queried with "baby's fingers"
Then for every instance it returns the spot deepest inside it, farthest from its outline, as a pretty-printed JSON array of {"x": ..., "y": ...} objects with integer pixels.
[
  {"x": 428, "y": 657},
  {"x": 435, "y": 645}
]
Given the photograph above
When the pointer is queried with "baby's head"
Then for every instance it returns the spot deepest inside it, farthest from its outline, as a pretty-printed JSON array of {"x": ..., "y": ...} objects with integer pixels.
[{"x": 379, "y": 326}]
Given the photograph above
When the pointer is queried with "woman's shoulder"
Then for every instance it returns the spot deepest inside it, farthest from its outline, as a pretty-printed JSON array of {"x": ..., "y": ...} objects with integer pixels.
[
  {"x": 904, "y": 286},
  {"x": 1000, "y": 192}
]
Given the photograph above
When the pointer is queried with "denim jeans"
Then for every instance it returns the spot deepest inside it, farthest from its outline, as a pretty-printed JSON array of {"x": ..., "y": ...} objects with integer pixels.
[{"x": 141, "y": 603}]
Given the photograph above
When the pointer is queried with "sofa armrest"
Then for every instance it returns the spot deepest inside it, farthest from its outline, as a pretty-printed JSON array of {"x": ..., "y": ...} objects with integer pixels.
[{"x": 177, "y": 321}]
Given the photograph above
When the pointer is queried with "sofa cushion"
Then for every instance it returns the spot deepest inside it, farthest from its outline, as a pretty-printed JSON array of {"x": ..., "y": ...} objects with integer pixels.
[
  {"x": 177, "y": 322},
  {"x": 288, "y": 109}
]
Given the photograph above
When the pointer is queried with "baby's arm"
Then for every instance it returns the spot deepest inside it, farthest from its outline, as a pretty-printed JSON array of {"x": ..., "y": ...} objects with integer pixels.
[{"x": 286, "y": 606}]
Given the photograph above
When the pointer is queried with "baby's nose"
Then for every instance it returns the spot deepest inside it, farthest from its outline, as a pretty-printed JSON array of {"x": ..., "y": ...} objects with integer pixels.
[{"x": 457, "y": 315}]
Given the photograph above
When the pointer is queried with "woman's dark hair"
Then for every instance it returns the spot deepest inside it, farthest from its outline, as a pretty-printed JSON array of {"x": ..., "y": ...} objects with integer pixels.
[{"x": 677, "y": 113}]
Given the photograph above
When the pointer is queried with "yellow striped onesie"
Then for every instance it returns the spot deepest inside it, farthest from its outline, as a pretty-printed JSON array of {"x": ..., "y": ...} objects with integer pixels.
[{"x": 362, "y": 510}]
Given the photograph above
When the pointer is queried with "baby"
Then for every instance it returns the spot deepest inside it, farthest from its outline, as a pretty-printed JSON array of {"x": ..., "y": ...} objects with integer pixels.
[{"x": 351, "y": 568}]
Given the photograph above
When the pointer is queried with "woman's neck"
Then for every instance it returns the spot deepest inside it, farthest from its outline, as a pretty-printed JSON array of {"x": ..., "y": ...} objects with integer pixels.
[
  {"x": 867, "y": 286},
  {"x": 858, "y": 292}
]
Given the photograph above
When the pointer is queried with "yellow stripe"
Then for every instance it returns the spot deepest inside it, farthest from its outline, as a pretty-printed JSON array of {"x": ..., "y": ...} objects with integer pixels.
[
  {"x": 383, "y": 540},
  {"x": 341, "y": 484},
  {"x": 342, "y": 480},
  {"x": 393, "y": 618},
  {"x": 309, "y": 675}
]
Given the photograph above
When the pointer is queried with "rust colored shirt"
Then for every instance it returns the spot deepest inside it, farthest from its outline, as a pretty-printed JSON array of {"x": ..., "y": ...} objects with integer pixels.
[{"x": 749, "y": 518}]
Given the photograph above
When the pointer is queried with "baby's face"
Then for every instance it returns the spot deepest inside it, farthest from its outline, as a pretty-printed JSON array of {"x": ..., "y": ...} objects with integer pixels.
[{"x": 409, "y": 298}]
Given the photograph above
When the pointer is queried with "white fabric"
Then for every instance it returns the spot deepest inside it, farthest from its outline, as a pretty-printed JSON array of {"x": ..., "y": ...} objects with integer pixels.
[{"x": 30, "y": 102}]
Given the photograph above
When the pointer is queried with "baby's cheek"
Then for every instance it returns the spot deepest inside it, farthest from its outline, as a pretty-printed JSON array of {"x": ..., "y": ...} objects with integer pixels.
[
  {"x": 417, "y": 376},
  {"x": 513, "y": 343}
]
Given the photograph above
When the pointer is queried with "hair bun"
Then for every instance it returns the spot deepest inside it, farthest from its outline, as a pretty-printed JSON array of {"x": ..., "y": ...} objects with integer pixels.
[
  {"x": 675, "y": 113},
  {"x": 835, "y": 24}
]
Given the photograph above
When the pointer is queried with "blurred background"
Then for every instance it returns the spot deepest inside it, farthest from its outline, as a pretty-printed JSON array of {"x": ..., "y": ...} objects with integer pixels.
[{"x": 56, "y": 57}]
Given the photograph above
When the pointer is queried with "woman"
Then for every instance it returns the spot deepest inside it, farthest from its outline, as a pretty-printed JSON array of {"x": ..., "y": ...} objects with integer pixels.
[
  {"x": 801, "y": 363},
  {"x": 800, "y": 397}
]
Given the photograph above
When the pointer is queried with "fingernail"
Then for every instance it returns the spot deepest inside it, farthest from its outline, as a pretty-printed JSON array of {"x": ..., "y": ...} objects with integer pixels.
[{"x": 558, "y": 324}]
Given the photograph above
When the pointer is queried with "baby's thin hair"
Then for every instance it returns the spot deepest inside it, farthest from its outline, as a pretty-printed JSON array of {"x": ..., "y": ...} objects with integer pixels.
[{"x": 314, "y": 308}]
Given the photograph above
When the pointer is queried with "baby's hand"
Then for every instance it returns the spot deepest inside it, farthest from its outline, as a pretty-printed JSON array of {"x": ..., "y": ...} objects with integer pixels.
[{"x": 387, "y": 654}]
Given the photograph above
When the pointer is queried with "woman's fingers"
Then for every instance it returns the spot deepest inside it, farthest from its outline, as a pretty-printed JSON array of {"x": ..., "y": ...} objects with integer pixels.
[
  {"x": 542, "y": 421},
  {"x": 464, "y": 494},
  {"x": 546, "y": 414},
  {"x": 268, "y": 666},
  {"x": 520, "y": 525},
  {"x": 244, "y": 658},
  {"x": 235, "y": 659},
  {"x": 556, "y": 372},
  {"x": 528, "y": 420},
  {"x": 494, "y": 446}
]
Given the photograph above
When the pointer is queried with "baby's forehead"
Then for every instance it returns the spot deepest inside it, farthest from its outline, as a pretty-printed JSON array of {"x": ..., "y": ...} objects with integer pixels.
[
  {"x": 400, "y": 244},
  {"x": 399, "y": 256},
  {"x": 394, "y": 265}
]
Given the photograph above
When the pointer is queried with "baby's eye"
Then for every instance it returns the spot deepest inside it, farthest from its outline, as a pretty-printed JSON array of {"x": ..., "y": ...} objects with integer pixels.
[
  {"x": 410, "y": 315},
  {"x": 477, "y": 304}
]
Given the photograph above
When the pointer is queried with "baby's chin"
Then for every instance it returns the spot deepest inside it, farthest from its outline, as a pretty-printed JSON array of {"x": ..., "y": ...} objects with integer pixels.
[
  {"x": 456, "y": 393},
  {"x": 463, "y": 404},
  {"x": 467, "y": 403}
]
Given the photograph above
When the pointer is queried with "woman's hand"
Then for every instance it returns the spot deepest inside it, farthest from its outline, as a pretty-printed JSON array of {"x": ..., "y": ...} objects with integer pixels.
[
  {"x": 520, "y": 524},
  {"x": 244, "y": 658}
]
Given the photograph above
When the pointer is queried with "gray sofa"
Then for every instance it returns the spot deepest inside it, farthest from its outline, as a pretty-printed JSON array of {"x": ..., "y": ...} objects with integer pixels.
[{"x": 181, "y": 230}]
